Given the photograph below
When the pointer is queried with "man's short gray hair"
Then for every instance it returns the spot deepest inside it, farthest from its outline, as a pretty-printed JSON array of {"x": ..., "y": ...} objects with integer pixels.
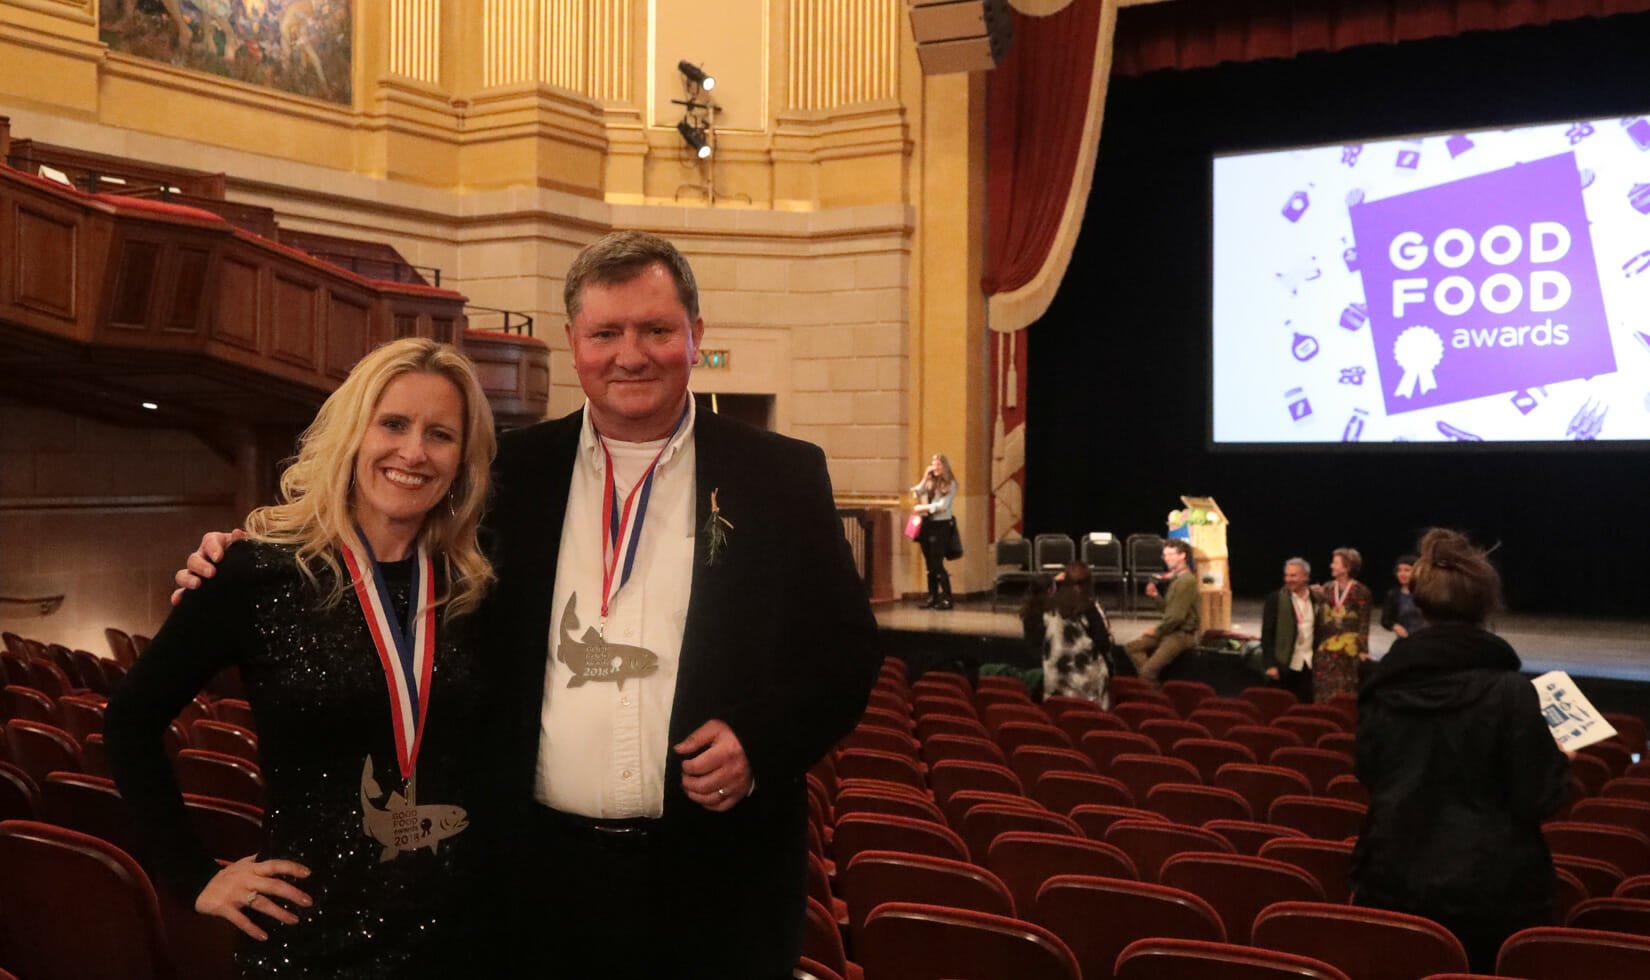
[
  {"x": 1305, "y": 565},
  {"x": 621, "y": 256}
]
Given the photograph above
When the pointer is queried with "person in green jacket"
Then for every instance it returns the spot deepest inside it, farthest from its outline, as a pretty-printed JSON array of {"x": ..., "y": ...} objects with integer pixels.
[{"x": 1154, "y": 650}]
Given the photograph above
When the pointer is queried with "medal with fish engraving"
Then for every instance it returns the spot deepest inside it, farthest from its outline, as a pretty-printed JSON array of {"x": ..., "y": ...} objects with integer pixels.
[
  {"x": 406, "y": 650},
  {"x": 592, "y": 658}
]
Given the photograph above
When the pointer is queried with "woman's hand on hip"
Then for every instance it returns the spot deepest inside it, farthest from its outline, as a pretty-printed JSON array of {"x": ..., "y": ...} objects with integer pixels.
[{"x": 252, "y": 885}]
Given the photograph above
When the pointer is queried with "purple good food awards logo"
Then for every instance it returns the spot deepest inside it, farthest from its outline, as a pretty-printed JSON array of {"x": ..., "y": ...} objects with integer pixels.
[{"x": 1482, "y": 285}]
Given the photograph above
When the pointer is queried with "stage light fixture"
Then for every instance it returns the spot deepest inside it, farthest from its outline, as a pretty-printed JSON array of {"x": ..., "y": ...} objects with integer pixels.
[
  {"x": 695, "y": 139},
  {"x": 696, "y": 75}
]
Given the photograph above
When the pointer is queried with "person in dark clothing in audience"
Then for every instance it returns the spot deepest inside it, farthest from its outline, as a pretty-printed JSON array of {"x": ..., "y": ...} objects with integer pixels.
[
  {"x": 1399, "y": 614},
  {"x": 1460, "y": 766}
]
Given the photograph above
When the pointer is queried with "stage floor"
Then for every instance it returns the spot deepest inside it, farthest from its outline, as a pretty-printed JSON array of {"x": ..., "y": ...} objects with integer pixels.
[{"x": 1616, "y": 649}]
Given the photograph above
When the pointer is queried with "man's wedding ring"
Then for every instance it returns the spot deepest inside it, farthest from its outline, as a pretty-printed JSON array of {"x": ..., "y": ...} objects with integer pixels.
[{"x": 722, "y": 793}]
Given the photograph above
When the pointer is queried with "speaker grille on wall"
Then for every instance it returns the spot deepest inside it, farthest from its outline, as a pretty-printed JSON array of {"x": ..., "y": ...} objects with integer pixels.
[{"x": 961, "y": 35}]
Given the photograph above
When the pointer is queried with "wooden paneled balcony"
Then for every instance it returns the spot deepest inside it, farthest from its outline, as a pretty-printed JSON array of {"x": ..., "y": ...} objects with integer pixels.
[{"x": 109, "y": 302}]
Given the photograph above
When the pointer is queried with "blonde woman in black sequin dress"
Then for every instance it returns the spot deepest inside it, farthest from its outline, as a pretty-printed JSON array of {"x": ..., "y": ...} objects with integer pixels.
[{"x": 346, "y": 611}]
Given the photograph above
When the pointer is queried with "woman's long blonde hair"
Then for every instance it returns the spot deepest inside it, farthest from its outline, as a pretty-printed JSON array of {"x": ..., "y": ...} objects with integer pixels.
[
  {"x": 928, "y": 488},
  {"x": 316, "y": 514}
]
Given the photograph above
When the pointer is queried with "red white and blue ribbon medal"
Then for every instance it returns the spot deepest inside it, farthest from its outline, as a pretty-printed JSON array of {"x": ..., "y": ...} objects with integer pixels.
[
  {"x": 592, "y": 658},
  {"x": 406, "y": 649}
]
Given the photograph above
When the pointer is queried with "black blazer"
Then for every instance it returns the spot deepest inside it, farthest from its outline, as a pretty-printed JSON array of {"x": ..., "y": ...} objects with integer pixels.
[
  {"x": 1279, "y": 641},
  {"x": 779, "y": 643}
]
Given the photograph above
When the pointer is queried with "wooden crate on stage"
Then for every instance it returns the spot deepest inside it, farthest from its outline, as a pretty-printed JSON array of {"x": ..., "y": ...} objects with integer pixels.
[{"x": 1214, "y": 582}]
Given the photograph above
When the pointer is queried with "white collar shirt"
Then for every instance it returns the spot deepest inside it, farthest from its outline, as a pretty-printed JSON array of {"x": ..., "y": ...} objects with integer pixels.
[
  {"x": 603, "y": 746},
  {"x": 1302, "y": 657}
]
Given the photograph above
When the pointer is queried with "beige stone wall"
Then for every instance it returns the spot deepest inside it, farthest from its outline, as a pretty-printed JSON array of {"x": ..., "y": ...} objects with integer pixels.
[{"x": 101, "y": 515}]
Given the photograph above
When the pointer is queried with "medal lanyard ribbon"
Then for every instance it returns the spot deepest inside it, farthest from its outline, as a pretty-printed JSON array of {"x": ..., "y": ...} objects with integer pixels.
[
  {"x": 613, "y": 535},
  {"x": 406, "y": 650}
]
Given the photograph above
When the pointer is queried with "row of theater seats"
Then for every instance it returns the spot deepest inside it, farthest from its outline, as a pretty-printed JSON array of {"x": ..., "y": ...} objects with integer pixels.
[
  {"x": 69, "y": 837},
  {"x": 956, "y": 820}
]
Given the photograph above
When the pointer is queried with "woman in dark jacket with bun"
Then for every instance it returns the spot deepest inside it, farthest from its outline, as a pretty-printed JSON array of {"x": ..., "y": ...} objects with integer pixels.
[{"x": 1460, "y": 766}]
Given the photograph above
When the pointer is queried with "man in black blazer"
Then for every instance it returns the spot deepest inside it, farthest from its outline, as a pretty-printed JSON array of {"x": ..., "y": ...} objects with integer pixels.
[
  {"x": 777, "y": 653},
  {"x": 1281, "y": 617}
]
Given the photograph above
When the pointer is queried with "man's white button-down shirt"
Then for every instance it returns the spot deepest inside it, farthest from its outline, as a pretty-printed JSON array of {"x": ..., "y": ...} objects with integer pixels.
[{"x": 602, "y": 747}]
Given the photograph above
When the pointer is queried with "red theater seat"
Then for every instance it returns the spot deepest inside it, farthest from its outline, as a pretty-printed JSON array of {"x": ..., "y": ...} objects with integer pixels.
[
  {"x": 1330, "y": 862},
  {"x": 1167, "y": 731},
  {"x": 966, "y": 748},
  {"x": 89, "y": 805},
  {"x": 1096, "y": 819},
  {"x": 1185, "y": 959},
  {"x": 1260, "y": 785},
  {"x": 1319, "y": 766},
  {"x": 1197, "y": 805},
  {"x": 982, "y": 824},
  {"x": 880, "y": 832},
  {"x": 1318, "y": 817},
  {"x": 1248, "y": 836},
  {"x": 1370, "y": 944},
  {"x": 890, "y": 767},
  {"x": 949, "y": 776},
  {"x": 907, "y": 941},
  {"x": 1270, "y": 701},
  {"x": 218, "y": 736},
  {"x": 1626, "y": 849},
  {"x": 1209, "y": 754},
  {"x": 1142, "y": 772},
  {"x": 1102, "y": 747},
  {"x": 1025, "y": 860},
  {"x": 114, "y": 929},
  {"x": 1063, "y": 792},
  {"x": 1548, "y": 953},
  {"x": 822, "y": 941},
  {"x": 1262, "y": 740},
  {"x": 1238, "y": 886},
  {"x": 1150, "y": 844},
  {"x": 872, "y": 878},
  {"x": 19, "y": 794},
  {"x": 1629, "y": 915},
  {"x": 1187, "y": 695},
  {"x": 1099, "y": 917},
  {"x": 39, "y": 749},
  {"x": 226, "y": 777},
  {"x": 1031, "y": 761}
]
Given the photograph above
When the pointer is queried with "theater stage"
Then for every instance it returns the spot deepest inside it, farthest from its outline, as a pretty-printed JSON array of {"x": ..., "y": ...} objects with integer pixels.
[{"x": 1610, "y": 658}]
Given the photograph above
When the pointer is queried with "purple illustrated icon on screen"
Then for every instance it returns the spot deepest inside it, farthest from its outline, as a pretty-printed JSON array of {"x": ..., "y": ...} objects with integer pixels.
[
  {"x": 1352, "y": 375},
  {"x": 1587, "y": 177},
  {"x": 1354, "y": 426},
  {"x": 1299, "y": 406},
  {"x": 1525, "y": 401},
  {"x": 1588, "y": 421},
  {"x": 1644, "y": 338},
  {"x": 1457, "y": 145},
  {"x": 1354, "y": 196},
  {"x": 1304, "y": 347},
  {"x": 1578, "y": 132},
  {"x": 1354, "y": 316},
  {"x": 1638, "y": 130},
  {"x": 1296, "y": 206},
  {"x": 1350, "y": 154},
  {"x": 1636, "y": 264},
  {"x": 1408, "y": 159},
  {"x": 1457, "y": 435},
  {"x": 1639, "y": 198},
  {"x": 1349, "y": 255}
]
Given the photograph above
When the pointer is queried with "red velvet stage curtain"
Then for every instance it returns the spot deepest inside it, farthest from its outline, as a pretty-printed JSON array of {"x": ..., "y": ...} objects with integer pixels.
[
  {"x": 1201, "y": 33},
  {"x": 1035, "y": 105}
]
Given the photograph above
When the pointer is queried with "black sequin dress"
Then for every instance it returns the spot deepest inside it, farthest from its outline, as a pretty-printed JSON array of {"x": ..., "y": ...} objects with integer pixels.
[{"x": 322, "y": 705}]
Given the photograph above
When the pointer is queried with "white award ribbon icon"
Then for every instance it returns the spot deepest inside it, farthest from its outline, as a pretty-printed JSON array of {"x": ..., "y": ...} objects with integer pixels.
[{"x": 1418, "y": 350}]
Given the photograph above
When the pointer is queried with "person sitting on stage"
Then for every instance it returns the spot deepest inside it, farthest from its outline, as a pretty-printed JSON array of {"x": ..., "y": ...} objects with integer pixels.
[
  {"x": 1177, "y": 631},
  {"x": 1399, "y": 613},
  {"x": 1288, "y": 631},
  {"x": 1068, "y": 625}
]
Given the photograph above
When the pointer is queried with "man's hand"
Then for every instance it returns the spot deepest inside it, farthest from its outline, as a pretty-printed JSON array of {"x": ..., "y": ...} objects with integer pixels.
[
  {"x": 1151, "y": 589},
  {"x": 203, "y": 562},
  {"x": 1398, "y": 630},
  {"x": 717, "y": 775},
  {"x": 1272, "y": 673}
]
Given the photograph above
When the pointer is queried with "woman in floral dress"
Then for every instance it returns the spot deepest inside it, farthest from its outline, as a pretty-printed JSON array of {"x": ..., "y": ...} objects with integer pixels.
[{"x": 1343, "y": 628}]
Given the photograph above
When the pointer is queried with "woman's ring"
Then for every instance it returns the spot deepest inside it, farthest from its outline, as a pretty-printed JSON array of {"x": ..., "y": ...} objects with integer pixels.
[{"x": 251, "y": 896}]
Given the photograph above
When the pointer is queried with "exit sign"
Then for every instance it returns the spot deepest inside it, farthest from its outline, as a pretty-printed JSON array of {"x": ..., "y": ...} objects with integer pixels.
[{"x": 714, "y": 358}]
